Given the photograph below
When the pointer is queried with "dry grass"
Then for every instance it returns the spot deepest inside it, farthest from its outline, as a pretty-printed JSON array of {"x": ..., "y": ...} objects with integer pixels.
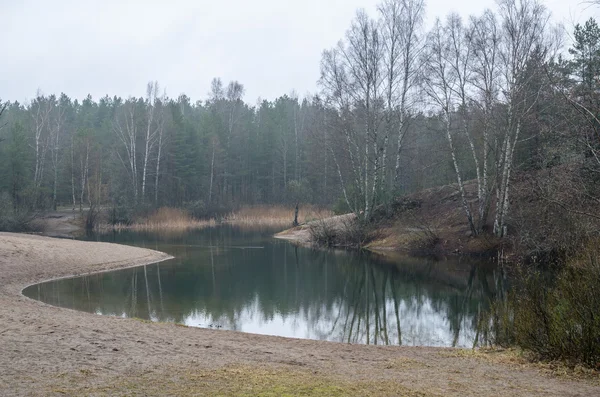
[
  {"x": 275, "y": 215},
  {"x": 518, "y": 358},
  {"x": 166, "y": 218},
  {"x": 234, "y": 381},
  {"x": 175, "y": 219}
]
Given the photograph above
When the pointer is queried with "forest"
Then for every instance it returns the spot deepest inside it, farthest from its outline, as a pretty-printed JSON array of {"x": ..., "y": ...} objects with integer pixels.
[{"x": 400, "y": 109}]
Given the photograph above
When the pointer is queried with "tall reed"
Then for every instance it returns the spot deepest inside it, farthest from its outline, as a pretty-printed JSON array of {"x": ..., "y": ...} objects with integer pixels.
[{"x": 167, "y": 218}]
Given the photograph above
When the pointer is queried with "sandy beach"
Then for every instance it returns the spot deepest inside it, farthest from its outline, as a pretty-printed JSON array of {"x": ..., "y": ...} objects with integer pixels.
[{"x": 46, "y": 351}]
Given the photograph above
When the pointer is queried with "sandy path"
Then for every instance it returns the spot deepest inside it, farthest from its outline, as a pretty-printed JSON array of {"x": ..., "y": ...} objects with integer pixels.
[{"x": 46, "y": 350}]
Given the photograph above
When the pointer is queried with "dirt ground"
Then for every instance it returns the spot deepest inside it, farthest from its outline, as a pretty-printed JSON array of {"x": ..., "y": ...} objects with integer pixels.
[
  {"x": 63, "y": 222},
  {"x": 46, "y": 351}
]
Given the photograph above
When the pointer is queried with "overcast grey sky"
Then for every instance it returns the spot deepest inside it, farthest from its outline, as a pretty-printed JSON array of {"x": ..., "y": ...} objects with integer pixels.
[{"x": 115, "y": 47}]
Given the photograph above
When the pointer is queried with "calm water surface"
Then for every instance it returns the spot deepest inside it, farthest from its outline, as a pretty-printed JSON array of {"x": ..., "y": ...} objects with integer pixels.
[{"x": 228, "y": 278}]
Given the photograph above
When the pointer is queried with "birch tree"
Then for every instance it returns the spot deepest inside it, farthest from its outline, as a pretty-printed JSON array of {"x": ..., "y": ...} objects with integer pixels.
[
  {"x": 125, "y": 128},
  {"x": 3, "y": 106},
  {"x": 525, "y": 43},
  {"x": 234, "y": 95},
  {"x": 160, "y": 140},
  {"x": 443, "y": 83},
  {"x": 352, "y": 77},
  {"x": 151, "y": 130},
  {"x": 56, "y": 133},
  {"x": 401, "y": 24},
  {"x": 483, "y": 39},
  {"x": 84, "y": 165},
  {"x": 40, "y": 109}
]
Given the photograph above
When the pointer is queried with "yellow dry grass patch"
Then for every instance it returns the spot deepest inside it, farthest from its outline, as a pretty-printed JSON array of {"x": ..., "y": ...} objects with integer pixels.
[
  {"x": 236, "y": 381},
  {"x": 403, "y": 363},
  {"x": 519, "y": 359},
  {"x": 175, "y": 219},
  {"x": 166, "y": 218},
  {"x": 275, "y": 215}
]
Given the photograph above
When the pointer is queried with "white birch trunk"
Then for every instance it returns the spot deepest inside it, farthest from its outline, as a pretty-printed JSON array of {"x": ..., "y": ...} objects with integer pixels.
[
  {"x": 84, "y": 172},
  {"x": 212, "y": 174},
  {"x": 73, "y": 174},
  {"x": 461, "y": 187},
  {"x": 127, "y": 134},
  {"x": 152, "y": 91},
  {"x": 159, "y": 154}
]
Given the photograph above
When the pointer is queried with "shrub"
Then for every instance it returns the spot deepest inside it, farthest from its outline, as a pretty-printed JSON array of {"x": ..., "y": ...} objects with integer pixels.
[
  {"x": 15, "y": 219},
  {"x": 91, "y": 218},
  {"x": 554, "y": 316},
  {"x": 196, "y": 209},
  {"x": 121, "y": 215},
  {"x": 341, "y": 207},
  {"x": 342, "y": 231},
  {"x": 322, "y": 233},
  {"x": 298, "y": 192}
]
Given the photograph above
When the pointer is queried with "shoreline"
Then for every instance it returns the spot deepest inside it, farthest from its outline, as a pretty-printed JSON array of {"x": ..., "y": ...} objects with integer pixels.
[{"x": 47, "y": 350}]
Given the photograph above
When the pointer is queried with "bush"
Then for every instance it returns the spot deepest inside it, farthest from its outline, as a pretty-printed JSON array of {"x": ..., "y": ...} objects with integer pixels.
[
  {"x": 322, "y": 233},
  {"x": 15, "y": 219},
  {"x": 347, "y": 232},
  {"x": 196, "y": 209},
  {"x": 555, "y": 316},
  {"x": 91, "y": 218},
  {"x": 121, "y": 215},
  {"x": 341, "y": 207},
  {"x": 298, "y": 192}
]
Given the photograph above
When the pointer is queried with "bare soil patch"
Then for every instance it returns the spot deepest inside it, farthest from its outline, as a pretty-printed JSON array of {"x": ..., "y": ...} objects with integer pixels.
[{"x": 46, "y": 350}]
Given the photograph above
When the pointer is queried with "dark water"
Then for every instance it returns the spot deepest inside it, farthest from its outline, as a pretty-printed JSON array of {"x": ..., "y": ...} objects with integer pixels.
[{"x": 228, "y": 278}]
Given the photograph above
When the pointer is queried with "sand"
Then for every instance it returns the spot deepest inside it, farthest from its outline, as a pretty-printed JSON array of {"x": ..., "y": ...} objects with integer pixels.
[{"x": 45, "y": 350}]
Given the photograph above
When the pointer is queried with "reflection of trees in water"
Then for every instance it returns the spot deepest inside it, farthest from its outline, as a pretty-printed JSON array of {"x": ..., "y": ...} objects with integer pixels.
[
  {"x": 487, "y": 327},
  {"x": 323, "y": 295}
]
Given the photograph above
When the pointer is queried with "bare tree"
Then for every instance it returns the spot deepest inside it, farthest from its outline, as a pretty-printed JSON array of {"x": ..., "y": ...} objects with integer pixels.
[
  {"x": 40, "y": 112},
  {"x": 125, "y": 127},
  {"x": 151, "y": 130},
  {"x": 212, "y": 170},
  {"x": 235, "y": 93},
  {"x": 3, "y": 107},
  {"x": 334, "y": 81},
  {"x": 490, "y": 65},
  {"x": 161, "y": 139},
  {"x": 401, "y": 25},
  {"x": 524, "y": 45},
  {"x": 484, "y": 40},
  {"x": 56, "y": 133},
  {"x": 216, "y": 90},
  {"x": 298, "y": 119},
  {"x": 444, "y": 83},
  {"x": 84, "y": 166},
  {"x": 352, "y": 78}
]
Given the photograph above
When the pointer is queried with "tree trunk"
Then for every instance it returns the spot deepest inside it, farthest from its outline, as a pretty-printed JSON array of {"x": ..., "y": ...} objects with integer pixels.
[
  {"x": 461, "y": 187},
  {"x": 84, "y": 173},
  {"x": 212, "y": 174},
  {"x": 73, "y": 175}
]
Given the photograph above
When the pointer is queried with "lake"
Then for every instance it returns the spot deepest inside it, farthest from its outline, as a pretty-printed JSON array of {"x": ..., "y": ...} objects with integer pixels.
[{"x": 245, "y": 280}]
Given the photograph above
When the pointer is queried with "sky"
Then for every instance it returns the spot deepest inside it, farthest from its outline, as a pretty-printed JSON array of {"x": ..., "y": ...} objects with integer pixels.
[{"x": 272, "y": 47}]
